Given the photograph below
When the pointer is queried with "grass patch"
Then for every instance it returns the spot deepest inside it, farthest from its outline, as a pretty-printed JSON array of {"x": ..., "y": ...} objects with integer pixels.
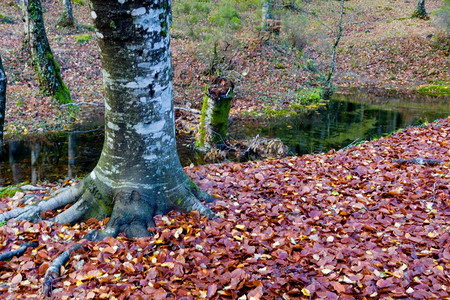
[
  {"x": 438, "y": 89},
  {"x": 8, "y": 191},
  {"x": 83, "y": 38},
  {"x": 304, "y": 101},
  {"x": 80, "y": 2}
]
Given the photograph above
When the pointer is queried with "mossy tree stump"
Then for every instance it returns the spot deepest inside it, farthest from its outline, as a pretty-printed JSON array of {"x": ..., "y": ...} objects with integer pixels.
[
  {"x": 215, "y": 110},
  {"x": 3, "y": 82},
  {"x": 44, "y": 64}
]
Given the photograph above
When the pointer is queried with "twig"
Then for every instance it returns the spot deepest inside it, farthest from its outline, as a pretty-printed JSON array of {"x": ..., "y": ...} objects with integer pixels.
[
  {"x": 78, "y": 104},
  {"x": 194, "y": 111},
  {"x": 418, "y": 161},
  {"x": 83, "y": 131},
  {"x": 351, "y": 144},
  {"x": 18, "y": 252}
]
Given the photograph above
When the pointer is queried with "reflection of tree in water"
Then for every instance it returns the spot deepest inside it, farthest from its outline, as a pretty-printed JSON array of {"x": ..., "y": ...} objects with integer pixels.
[
  {"x": 337, "y": 125},
  {"x": 49, "y": 157}
]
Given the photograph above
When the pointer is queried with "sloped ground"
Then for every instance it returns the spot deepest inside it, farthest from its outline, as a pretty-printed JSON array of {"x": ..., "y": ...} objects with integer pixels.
[
  {"x": 351, "y": 224},
  {"x": 381, "y": 46}
]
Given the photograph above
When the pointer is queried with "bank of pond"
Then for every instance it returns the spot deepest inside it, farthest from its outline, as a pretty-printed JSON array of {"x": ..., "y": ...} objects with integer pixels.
[{"x": 347, "y": 119}]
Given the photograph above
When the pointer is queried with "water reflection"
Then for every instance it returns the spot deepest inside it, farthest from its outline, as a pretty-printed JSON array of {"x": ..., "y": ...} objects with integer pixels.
[
  {"x": 338, "y": 124},
  {"x": 343, "y": 122},
  {"x": 50, "y": 157}
]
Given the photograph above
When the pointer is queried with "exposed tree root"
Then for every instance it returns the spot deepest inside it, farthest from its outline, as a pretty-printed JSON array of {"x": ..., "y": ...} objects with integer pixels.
[
  {"x": 131, "y": 210},
  {"x": 32, "y": 212},
  {"x": 18, "y": 252},
  {"x": 53, "y": 272}
]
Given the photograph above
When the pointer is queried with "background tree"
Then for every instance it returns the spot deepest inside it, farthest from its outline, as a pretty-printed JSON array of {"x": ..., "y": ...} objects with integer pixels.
[
  {"x": 420, "y": 10},
  {"x": 44, "y": 64},
  {"x": 67, "y": 19},
  {"x": 3, "y": 82}
]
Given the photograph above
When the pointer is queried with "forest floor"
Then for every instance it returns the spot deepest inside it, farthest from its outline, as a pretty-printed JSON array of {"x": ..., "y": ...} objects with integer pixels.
[{"x": 348, "y": 224}]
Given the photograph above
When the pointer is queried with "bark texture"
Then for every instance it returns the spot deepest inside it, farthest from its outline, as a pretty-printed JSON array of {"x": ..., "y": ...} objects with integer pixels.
[
  {"x": 67, "y": 19},
  {"x": 420, "y": 11},
  {"x": 3, "y": 82},
  {"x": 45, "y": 66},
  {"x": 215, "y": 111}
]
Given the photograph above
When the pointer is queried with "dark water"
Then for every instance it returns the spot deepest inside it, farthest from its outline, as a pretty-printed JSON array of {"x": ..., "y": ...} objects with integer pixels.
[{"x": 344, "y": 120}]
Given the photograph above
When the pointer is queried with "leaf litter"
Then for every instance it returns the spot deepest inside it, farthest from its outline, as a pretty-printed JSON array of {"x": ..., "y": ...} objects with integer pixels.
[{"x": 349, "y": 224}]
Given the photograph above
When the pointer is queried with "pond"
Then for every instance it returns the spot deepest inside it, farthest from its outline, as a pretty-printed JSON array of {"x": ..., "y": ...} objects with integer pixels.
[{"x": 346, "y": 119}]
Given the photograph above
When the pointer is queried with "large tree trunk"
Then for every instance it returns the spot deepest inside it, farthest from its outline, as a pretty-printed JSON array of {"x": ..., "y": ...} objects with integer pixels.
[
  {"x": 45, "y": 66},
  {"x": 138, "y": 174},
  {"x": 67, "y": 19},
  {"x": 3, "y": 82},
  {"x": 420, "y": 10}
]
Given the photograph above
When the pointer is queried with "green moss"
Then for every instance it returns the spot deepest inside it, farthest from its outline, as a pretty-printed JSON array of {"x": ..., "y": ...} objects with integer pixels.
[
  {"x": 219, "y": 119},
  {"x": 438, "y": 89},
  {"x": 84, "y": 38},
  {"x": 80, "y": 2},
  {"x": 62, "y": 94},
  {"x": 193, "y": 186},
  {"x": 200, "y": 142},
  {"x": 60, "y": 91},
  {"x": 9, "y": 191}
]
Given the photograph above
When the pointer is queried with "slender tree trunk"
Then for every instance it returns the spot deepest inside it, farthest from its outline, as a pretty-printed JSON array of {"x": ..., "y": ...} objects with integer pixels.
[
  {"x": 3, "y": 82},
  {"x": 45, "y": 66},
  {"x": 26, "y": 25},
  {"x": 420, "y": 11},
  {"x": 67, "y": 19},
  {"x": 270, "y": 20},
  {"x": 215, "y": 111},
  {"x": 328, "y": 89}
]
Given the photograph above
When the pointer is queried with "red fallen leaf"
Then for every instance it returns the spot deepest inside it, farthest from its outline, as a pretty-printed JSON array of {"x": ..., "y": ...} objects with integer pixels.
[
  {"x": 28, "y": 265},
  {"x": 212, "y": 289},
  {"x": 255, "y": 294},
  {"x": 259, "y": 176},
  {"x": 157, "y": 294},
  {"x": 128, "y": 267},
  {"x": 43, "y": 253},
  {"x": 338, "y": 287},
  {"x": 16, "y": 279},
  {"x": 43, "y": 268},
  {"x": 382, "y": 283},
  {"x": 109, "y": 250}
]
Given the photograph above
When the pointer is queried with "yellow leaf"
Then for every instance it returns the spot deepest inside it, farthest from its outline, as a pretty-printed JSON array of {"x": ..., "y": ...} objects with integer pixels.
[
  {"x": 306, "y": 292},
  {"x": 241, "y": 227}
]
